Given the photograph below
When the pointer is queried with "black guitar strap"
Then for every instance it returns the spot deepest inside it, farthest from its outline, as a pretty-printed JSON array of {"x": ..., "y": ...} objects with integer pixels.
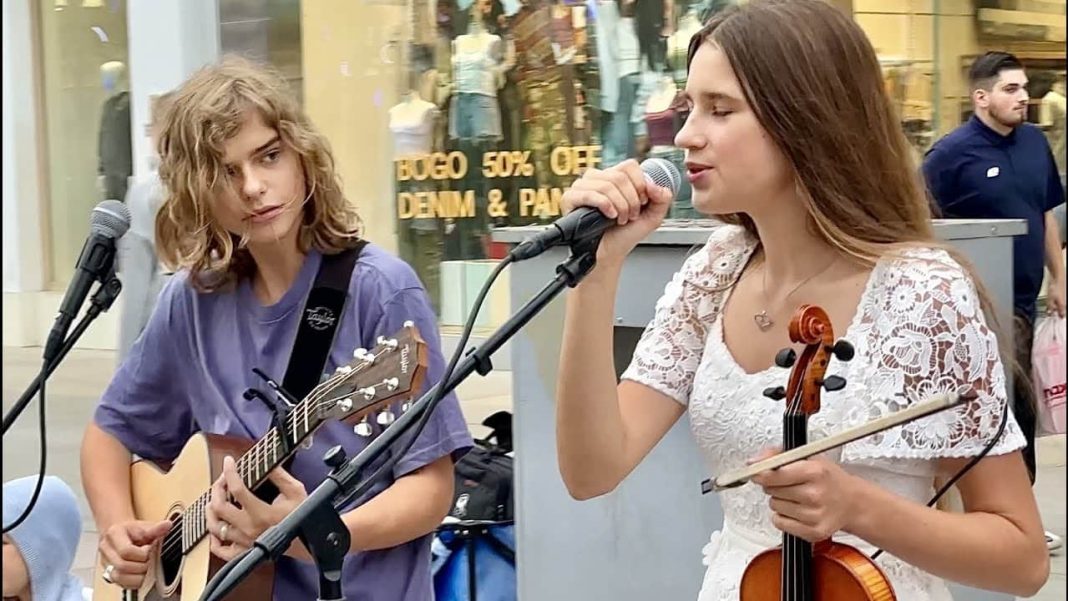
[{"x": 319, "y": 320}]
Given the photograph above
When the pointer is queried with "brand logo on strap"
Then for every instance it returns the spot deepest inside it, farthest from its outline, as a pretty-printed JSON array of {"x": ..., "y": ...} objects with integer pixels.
[{"x": 320, "y": 318}]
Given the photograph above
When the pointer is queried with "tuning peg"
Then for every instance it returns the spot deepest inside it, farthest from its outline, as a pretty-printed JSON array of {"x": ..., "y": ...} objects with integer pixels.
[
  {"x": 389, "y": 343},
  {"x": 786, "y": 357},
  {"x": 368, "y": 393},
  {"x": 409, "y": 324},
  {"x": 359, "y": 352},
  {"x": 843, "y": 350},
  {"x": 386, "y": 418},
  {"x": 345, "y": 404},
  {"x": 362, "y": 429},
  {"x": 833, "y": 383},
  {"x": 391, "y": 384},
  {"x": 344, "y": 369},
  {"x": 775, "y": 393},
  {"x": 406, "y": 406}
]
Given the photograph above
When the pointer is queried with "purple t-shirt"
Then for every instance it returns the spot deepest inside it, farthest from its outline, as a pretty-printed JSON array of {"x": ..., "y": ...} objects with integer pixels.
[{"x": 188, "y": 370}]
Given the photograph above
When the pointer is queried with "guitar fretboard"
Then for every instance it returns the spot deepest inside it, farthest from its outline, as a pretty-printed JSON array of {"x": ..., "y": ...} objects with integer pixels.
[{"x": 268, "y": 453}]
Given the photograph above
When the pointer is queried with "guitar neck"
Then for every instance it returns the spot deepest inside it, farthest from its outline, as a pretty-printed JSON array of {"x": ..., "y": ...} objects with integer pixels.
[
  {"x": 268, "y": 453},
  {"x": 796, "y": 552}
]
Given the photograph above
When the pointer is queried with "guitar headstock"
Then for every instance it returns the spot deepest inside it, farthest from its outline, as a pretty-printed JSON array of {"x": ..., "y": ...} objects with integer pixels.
[{"x": 390, "y": 372}]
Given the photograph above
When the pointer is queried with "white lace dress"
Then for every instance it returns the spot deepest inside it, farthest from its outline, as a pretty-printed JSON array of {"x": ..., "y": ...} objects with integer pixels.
[{"x": 918, "y": 331}]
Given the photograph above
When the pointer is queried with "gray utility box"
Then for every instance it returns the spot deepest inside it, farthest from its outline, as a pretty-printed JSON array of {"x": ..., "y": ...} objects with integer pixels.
[{"x": 643, "y": 542}]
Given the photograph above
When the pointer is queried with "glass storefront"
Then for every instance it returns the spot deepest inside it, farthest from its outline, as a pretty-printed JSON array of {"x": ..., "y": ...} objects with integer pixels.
[
  {"x": 483, "y": 111},
  {"x": 87, "y": 135},
  {"x": 265, "y": 31},
  {"x": 451, "y": 117}
]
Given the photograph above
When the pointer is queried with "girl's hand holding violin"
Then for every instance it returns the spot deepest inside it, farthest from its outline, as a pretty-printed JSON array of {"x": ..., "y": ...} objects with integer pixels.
[{"x": 812, "y": 499}]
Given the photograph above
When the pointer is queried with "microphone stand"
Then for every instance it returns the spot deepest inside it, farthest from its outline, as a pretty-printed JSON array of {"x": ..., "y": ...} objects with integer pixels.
[
  {"x": 101, "y": 301},
  {"x": 316, "y": 521}
]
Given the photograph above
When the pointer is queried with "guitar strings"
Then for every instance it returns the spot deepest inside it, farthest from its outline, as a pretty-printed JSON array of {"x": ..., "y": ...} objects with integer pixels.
[{"x": 174, "y": 541}]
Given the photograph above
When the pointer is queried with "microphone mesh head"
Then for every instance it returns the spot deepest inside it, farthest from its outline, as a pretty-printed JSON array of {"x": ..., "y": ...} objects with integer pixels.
[
  {"x": 110, "y": 218},
  {"x": 663, "y": 173}
]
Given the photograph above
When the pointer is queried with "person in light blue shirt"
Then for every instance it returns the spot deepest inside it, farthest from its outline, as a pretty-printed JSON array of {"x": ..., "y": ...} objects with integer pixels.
[{"x": 39, "y": 552}]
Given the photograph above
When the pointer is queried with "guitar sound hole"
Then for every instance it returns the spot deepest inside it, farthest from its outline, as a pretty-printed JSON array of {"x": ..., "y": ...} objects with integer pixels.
[
  {"x": 170, "y": 563},
  {"x": 171, "y": 568}
]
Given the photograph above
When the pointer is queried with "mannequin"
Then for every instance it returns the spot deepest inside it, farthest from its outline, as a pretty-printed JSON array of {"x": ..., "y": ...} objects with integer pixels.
[
  {"x": 114, "y": 144},
  {"x": 477, "y": 65},
  {"x": 413, "y": 123}
]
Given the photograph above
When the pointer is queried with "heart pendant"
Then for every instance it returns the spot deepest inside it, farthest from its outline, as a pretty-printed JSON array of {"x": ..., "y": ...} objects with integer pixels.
[{"x": 763, "y": 321}]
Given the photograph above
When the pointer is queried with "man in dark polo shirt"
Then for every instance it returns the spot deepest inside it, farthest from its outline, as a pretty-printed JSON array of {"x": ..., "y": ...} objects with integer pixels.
[{"x": 999, "y": 166}]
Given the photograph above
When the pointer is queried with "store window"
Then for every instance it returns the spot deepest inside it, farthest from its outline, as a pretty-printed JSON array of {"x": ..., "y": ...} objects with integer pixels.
[
  {"x": 504, "y": 103},
  {"x": 452, "y": 117},
  {"x": 85, "y": 78},
  {"x": 265, "y": 31},
  {"x": 1035, "y": 33}
]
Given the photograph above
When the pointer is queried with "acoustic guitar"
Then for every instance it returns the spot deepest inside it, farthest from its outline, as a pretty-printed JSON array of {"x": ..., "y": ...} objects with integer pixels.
[{"x": 181, "y": 564}]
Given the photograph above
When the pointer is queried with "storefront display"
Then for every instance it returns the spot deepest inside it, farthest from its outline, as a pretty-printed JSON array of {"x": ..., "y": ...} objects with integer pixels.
[
  {"x": 503, "y": 103},
  {"x": 509, "y": 102}
]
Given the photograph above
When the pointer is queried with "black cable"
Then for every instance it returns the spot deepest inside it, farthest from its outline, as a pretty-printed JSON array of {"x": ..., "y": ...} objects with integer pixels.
[
  {"x": 220, "y": 576},
  {"x": 425, "y": 417},
  {"x": 44, "y": 455},
  {"x": 974, "y": 461}
]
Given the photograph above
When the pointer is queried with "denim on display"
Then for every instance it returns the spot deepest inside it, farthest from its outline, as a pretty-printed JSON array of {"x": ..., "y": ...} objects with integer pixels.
[
  {"x": 474, "y": 117},
  {"x": 618, "y": 143}
]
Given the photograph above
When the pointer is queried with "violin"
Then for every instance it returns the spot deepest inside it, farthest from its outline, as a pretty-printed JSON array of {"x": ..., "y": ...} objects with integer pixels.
[{"x": 798, "y": 570}]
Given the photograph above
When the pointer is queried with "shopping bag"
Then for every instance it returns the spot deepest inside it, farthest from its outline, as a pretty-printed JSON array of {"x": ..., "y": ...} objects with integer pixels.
[{"x": 1047, "y": 358}]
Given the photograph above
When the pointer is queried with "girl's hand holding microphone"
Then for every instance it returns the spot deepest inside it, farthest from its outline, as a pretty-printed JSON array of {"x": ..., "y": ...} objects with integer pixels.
[{"x": 627, "y": 194}]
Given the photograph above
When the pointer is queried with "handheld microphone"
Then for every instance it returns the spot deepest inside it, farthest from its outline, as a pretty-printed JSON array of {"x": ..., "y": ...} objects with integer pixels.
[
  {"x": 586, "y": 222},
  {"x": 107, "y": 223}
]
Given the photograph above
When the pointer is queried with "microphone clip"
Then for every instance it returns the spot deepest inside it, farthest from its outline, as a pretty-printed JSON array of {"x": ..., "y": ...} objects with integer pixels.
[{"x": 581, "y": 261}]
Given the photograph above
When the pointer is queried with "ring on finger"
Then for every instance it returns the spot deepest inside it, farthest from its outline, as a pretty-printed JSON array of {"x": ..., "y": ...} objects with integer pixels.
[
  {"x": 223, "y": 530},
  {"x": 109, "y": 574}
]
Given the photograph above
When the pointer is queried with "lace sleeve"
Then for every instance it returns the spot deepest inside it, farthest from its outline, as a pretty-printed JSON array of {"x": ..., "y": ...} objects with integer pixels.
[
  {"x": 926, "y": 334},
  {"x": 670, "y": 349}
]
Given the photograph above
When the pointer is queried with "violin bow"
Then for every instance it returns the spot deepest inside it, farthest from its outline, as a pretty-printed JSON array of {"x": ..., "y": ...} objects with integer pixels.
[{"x": 740, "y": 476}]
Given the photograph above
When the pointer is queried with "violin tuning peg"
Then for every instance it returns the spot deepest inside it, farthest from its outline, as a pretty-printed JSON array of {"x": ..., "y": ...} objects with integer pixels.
[
  {"x": 785, "y": 358},
  {"x": 833, "y": 383},
  {"x": 775, "y": 393},
  {"x": 843, "y": 350}
]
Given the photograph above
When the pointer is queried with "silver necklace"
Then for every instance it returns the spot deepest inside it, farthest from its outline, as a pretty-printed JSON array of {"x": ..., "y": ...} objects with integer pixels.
[{"x": 762, "y": 319}]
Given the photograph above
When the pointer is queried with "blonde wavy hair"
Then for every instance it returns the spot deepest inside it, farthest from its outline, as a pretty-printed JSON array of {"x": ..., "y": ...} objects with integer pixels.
[{"x": 205, "y": 112}]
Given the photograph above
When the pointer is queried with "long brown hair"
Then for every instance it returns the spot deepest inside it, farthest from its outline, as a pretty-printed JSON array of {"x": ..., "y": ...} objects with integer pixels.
[
  {"x": 814, "y": 83},
  {"x": 206, "y": 111}
]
